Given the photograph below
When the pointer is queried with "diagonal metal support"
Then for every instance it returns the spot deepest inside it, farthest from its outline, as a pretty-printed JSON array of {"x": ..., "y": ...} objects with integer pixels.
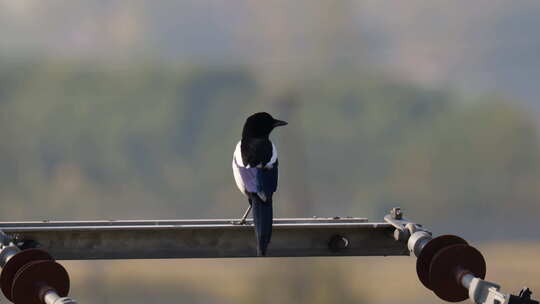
[{"x": 205, "y": 238}]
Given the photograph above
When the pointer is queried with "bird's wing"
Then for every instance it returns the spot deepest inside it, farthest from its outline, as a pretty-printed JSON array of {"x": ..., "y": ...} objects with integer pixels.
[
  {"x": 260, "y": 180},
  {"x": 245, "y": 177},
  {"x": 267, "y": 179}
]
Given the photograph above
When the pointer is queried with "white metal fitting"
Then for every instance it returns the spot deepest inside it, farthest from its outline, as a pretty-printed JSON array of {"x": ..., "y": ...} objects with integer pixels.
[
  {"x": 483, "y": 292},
  {"x": 51, "y": 297},
  {"x": 417, "y": 241}
]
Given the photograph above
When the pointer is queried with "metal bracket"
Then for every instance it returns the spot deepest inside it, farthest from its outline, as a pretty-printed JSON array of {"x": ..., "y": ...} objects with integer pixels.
[
  {"x": 523, "y": 298},
  {"x": 404, "y": 227},
  {"x": 485, "y": 292}
]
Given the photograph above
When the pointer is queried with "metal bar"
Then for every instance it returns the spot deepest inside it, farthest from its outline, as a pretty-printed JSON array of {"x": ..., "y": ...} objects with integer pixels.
[
  {"x": 144, "y": 223},
  {"x": 83, "y": 240}
]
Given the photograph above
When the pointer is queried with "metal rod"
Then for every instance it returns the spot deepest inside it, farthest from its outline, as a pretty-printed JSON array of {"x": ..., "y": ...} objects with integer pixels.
[
  {"x": 9, "y": 227},
  {"x": 51, "y": 297}
]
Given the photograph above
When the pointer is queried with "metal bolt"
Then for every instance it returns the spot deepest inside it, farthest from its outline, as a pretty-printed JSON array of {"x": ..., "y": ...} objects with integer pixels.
[
  {"x": 396, "y": 213},
  {"x": 401, "y": 235},
  {"x": 338, "y": 242}
]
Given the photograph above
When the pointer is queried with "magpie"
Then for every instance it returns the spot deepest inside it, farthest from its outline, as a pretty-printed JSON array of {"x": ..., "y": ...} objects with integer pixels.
[{"x": 255, "y": 169}]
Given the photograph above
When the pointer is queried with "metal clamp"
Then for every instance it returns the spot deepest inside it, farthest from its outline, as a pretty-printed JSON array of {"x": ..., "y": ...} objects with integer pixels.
[
  {"x": 404, "y": 227},
  {"x": 481, "y": 291},
  {"x": 414, "y": 234},
  {"x": 484, "y": 292}
]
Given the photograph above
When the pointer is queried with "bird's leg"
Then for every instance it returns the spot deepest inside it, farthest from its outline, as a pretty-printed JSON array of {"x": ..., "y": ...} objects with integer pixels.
[
  {"x": 248, "y": 210},
  {"x": 243, "y": 220}
]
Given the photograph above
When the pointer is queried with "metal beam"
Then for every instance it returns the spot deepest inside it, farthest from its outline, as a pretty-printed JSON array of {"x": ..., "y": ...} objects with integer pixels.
[{"x": 85, "y": 240}]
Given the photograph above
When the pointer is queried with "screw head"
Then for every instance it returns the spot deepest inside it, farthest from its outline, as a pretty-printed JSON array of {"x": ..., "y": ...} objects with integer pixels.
[
  {"x": 338, "y": 242},
  {"x": 396, "y": 213}
]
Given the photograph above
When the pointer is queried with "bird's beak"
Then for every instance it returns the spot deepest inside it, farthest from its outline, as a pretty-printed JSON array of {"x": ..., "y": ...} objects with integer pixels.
[{"x": 279, "y": 123}]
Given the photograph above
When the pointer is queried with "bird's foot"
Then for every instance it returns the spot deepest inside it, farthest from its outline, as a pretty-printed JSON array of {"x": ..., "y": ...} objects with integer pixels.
[{"x": 240, "y": 223}]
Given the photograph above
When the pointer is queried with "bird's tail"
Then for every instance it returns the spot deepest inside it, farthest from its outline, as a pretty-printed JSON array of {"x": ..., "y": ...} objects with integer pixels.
[{"x": 262, "y": 218}]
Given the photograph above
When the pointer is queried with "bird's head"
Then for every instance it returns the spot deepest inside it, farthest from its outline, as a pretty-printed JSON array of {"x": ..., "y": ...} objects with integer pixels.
[{"x": 260, "y": 125}]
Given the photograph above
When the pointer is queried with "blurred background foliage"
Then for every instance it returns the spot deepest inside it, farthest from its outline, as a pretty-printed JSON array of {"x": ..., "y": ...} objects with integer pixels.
[
  {"x": 111, "y": 110},
  {"x": 84, "y": 141}
]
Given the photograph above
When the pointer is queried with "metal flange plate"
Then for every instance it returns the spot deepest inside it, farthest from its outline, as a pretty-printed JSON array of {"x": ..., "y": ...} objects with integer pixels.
[
  {"x": 428, "y": 252},
  {"x": 32, "y": 277},
  {"x": 16, "y": 263},
  {"x": 445, "y": 268}
]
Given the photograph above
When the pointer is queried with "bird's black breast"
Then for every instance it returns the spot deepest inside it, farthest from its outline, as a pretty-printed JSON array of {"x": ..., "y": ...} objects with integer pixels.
[{"x": 256, "y": 151}]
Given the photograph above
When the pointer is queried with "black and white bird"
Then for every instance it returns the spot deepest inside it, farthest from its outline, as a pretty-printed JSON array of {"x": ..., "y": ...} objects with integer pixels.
[{"x": 255, "y": 168}]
